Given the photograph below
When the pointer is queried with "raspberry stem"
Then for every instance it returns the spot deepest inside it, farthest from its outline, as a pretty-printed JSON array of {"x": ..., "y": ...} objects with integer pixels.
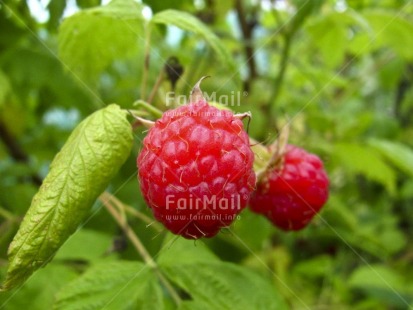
[
  {"x": 132, "y": 211},
  {"x": 139, "y": 120},
  {"x": 155, "y": 112},
  {"x": 271, "y": 157},
  {"x": 140, "y": 248}
]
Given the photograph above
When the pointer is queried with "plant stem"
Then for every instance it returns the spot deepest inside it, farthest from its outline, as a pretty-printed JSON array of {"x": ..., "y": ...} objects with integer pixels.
[
  {"x": 282, "y": 69},
  {"x": 146, "y": 62},
  {"x": 132, "y": 211},
  {"x": 151, "y": 109},
  {"x": 155, "y": 88},
  {"x": 6, "y": 214},
  {"x": 246, "y": 29},
  {"x": 305, "y": 10},
  {"x": 140, "y": 248}
]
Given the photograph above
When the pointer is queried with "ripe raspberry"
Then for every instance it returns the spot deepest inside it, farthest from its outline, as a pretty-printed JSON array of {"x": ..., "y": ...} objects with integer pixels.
[
  {"x": 195, "y": 169},
  {"x": 290, "y": 196}
]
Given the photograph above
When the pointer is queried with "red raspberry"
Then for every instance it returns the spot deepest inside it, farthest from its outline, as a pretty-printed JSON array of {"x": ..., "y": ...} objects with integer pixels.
[
  {"x": 290, "y": 196},
  {"x": 195, "y": 169}
]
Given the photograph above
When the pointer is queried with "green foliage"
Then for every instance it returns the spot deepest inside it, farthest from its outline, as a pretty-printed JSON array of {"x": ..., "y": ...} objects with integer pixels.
[
  {"x": 397, "y": 153},
  {"x": 361, "y": 159},
  {"x": 204, "y": 280},
  {"x": 90, "y": 40},
  {"x": 87, "y": 245},
  {"x": 338, "y": 72},
  {"x": 187, "y": 22},
  {"x": 199, "y": 273},
  {"x": 381, "y": 282},
  {"x": 4, "y": 87},
  {"x": 40, "y": 292},
  {"x": 383, "y": 27},
  {"x": 112, "y": 285},
  {"x": 78, "y": 174}
]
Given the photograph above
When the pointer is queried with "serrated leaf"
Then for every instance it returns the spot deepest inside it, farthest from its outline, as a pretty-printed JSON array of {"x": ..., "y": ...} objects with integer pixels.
[
  {"x": 184, "y": 251},
  {"x": 82, "y": 170},
  {"x": 398, "y": 154},
  {"x": 222, "y": 285},
  {"x": 92, "y": 39},
  {"x": 190, "y": 23},
  {"x": 114, "y": 285},
  {"x": 213, "y": 283},
  {"x": 366, "y": 161},
  {"x": 40, "y": 291}
]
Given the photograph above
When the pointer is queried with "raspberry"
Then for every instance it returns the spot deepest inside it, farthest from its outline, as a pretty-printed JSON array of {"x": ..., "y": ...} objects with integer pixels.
[
  {"x": 290, "y": 196},
  {"x": 195, "y": 169}
]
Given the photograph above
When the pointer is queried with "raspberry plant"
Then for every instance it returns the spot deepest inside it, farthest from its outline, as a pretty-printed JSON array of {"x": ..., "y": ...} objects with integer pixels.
[{"x": 80, "y": 80}]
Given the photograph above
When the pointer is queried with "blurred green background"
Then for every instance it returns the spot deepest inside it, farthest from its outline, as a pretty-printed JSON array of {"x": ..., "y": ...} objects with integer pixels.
[{"x": 339, "y": 71}]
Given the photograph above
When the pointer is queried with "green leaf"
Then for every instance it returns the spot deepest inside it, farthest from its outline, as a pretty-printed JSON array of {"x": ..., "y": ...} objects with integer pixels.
[
  {"x": 214, "y": 284},
  {"x": 40, "y": 291},
  {"x": 92, "y": 39},
  {"x": 114, "y": 285},
  {"x": 194, "y": 305},
  {"x": 190, "y": 23},
  {"x": 317, "y": 267},
  {"x": 365, "y": 160},
  {"x": 380, "y": 282},
  {"x": 157, "y": 5},
  {"x": 81, "y": 171},
  {"x": 222, "y": 285},
  {"x": 181, "y": 250},
  {"x": 331, "y": 43},
  {"x": 304, "y": 10},
  {"x": 56, "y": 9},
  {"x": 86, "y": 244},
  {"x": 385, "y": 25},
  {"x": 398, "y": 154},
  {"x": 85, "y": 4}
]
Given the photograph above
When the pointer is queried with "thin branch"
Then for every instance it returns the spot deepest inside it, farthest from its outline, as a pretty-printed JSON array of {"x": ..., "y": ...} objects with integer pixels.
[
  {"x": 6, "y": 214},
  {"x": 132, "y": 211},
  {"x": 155, "y": 112},
  {"x": 282, "y": 69},
  {"x": 247, "y": 29},
  {"x": 294, "y": 25},
  {"x": 140, "y": 248},
  {"x": 146, "y": 62},
  {"x": 155, "y": 88}
]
